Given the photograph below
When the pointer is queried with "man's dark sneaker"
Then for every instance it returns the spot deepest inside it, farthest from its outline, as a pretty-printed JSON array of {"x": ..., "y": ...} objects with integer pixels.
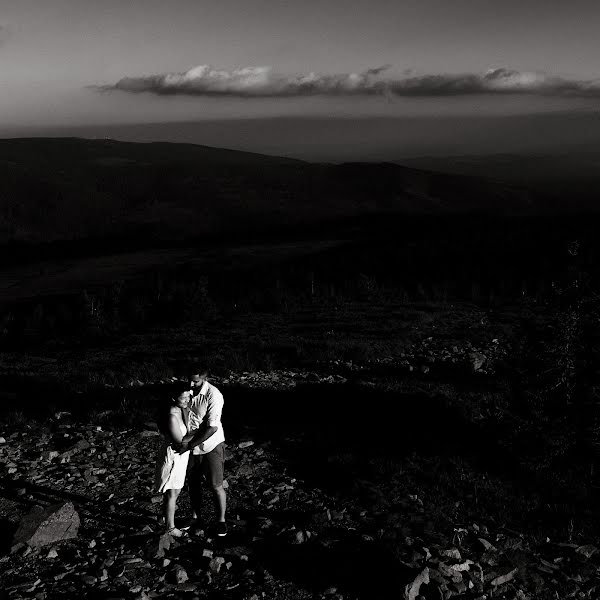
[{"x": 221, "y": 529}]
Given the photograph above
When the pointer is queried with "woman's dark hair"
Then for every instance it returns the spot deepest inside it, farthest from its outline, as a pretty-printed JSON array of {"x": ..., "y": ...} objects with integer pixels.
[{"x": 166, "y": 403}]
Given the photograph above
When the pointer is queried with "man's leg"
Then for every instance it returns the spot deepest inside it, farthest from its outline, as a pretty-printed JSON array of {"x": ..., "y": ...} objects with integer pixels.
[
  {"x": 220, "y": 500},
  {"x": 195, "y": 476},
  {"x": 214, "y": 465}
]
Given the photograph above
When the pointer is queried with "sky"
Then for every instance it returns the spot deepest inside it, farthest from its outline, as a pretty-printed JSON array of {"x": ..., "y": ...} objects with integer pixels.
[{"x": 66, "y": 63}]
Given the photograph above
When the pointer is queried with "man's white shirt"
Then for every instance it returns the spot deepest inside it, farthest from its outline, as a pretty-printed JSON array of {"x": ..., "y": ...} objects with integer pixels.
[{"x": 206, "y": 409}]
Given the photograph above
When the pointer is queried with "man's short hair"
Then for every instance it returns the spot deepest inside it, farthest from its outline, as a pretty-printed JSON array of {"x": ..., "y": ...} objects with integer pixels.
[{"x": 198, "y": 369}]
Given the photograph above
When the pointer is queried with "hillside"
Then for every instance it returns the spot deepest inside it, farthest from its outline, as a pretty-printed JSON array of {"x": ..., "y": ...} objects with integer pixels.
[
  {"x": 70, "y": 189},
  {"x": 568, "y": 176}
]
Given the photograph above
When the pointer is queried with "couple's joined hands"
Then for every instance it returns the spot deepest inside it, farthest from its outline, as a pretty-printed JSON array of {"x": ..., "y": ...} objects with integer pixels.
[
  {"x": 184, "y": 445},
  {"x": 181, "y": 447}
]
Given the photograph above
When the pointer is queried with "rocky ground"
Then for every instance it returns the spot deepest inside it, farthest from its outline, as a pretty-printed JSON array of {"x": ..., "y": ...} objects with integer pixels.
[
  {"x": 80, "y": 496},
  {"x": 316, "y": 510},
  {"x": 429, "y": 355},
  {"x": 313, "y": 343}
]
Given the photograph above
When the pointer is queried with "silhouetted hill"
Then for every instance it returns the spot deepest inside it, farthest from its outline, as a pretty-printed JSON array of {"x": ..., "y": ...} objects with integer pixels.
[
  {"x": 568, "y": 178},
  {"x": 70, "y": 188}
]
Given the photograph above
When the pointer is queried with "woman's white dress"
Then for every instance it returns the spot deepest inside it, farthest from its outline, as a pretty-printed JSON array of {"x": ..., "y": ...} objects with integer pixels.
[{"x": 170, "y": 465}]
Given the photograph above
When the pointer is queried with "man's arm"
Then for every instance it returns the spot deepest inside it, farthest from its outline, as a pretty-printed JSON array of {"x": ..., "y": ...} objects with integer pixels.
[
  {"x": 201, "y": 436},
  {"x": 213, "y": 419},
  {"x": 188, "y": 437},
  {"x": 195, "y": 438}
]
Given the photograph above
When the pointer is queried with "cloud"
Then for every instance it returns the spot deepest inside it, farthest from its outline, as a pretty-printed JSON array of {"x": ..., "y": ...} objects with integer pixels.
[
  {"x": 205, "y": 80},
  {"x": 262, "y": 82}
]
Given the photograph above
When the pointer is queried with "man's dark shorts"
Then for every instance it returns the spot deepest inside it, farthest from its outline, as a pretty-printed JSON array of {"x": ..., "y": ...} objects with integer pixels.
[{"x": 211, "y": 465}]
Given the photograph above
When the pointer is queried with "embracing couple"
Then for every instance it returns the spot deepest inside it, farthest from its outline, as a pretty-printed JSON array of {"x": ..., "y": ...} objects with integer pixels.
[{"x": 192, "y": 446}]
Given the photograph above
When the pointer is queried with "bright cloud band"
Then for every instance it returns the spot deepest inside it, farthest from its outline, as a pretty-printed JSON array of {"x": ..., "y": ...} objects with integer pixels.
[{"x": 205, "y": 80}]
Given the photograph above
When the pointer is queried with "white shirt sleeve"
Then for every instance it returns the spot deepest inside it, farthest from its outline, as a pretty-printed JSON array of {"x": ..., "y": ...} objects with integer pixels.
[{"x": 215, "y": 408}]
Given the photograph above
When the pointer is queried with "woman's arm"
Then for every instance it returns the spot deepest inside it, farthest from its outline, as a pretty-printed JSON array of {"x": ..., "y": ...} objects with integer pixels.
[
  {"x": 174, "y": 430},
  {"x": 188, "y": 436}
]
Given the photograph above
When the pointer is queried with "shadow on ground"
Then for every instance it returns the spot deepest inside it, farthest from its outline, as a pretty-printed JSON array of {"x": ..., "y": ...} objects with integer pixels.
[
  {"x": 313, "y": 423},
  {"x": 364, "y": 570}
]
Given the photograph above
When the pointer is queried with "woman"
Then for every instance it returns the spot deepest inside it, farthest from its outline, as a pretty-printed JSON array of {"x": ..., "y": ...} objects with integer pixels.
[{"x": 171, "y": 465}]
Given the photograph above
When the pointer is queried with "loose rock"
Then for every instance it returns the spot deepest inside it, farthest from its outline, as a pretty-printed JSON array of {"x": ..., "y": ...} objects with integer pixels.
[{"x": 43, "y": 526}]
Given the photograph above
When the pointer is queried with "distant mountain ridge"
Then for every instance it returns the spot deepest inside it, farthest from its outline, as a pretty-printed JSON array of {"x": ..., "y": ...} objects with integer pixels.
[
  {"x": 571, "y": 176},
  {"x": 73, "y": 188}
]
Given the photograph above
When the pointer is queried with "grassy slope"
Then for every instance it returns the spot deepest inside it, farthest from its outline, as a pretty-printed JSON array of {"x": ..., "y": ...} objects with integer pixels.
[{"x": 68, "y": 188}]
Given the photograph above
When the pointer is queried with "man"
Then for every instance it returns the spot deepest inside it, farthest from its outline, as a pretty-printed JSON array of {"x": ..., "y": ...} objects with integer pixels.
[{"x": 207, "y": 446}]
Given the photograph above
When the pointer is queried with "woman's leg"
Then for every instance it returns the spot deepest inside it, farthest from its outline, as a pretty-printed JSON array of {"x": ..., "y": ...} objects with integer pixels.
[{"x": 169, "y": 501}]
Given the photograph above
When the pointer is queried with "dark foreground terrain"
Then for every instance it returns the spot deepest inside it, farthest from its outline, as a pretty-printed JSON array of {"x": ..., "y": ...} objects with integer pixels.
[
  {"x": 314, "y": 512},
  {"x": 442, "y": 455},
  {"x": 411, "y": 395}
]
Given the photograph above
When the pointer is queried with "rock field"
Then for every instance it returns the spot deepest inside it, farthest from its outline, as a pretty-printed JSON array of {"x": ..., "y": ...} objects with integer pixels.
[
  {"x": 79, "y": 519},
  {"x": 427, "y": 356}
]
